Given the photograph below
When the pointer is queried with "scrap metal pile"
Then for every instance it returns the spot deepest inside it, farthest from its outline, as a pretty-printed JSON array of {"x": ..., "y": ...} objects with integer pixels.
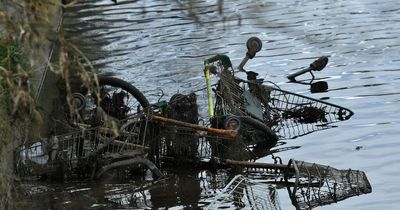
[{"x": 247, "y": 119}]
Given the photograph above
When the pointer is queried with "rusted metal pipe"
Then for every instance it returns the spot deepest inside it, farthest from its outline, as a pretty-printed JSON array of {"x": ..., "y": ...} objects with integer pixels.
[
  {"x": 247, "y": 164},
  {"x": 221, "y": 132}
]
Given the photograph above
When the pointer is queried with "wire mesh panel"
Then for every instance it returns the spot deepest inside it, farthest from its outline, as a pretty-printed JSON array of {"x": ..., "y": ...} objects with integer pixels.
[
  {"x": 294, "y": 115},
  {"x": 309, "y": 185},
  {"x": 290, "y": 114},
  {"x": 229, "y": 94},
  {"x": 242, "y": 192},
  {"x": 81, "y": 152},
  {"x": 180, "y": 144},
  {"x": 317, "y": 185}
]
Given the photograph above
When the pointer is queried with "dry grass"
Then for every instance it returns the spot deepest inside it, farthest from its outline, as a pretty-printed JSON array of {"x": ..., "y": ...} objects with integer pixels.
[{"x": 23, "y": 42}]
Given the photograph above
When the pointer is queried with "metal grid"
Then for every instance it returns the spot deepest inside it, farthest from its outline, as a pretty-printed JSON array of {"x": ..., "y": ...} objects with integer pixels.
[
  {"x": 90, "y": 152},
  {"x": 289, "y": 114},
  {"x": 80, "y": 153},
  {"x": 317, "y": 185},
  {"x": 179, "y": 144},
  {"x": 242, "y": 192},
  {"x": 294, "y": 115},
  {"x": 230, "y": 99}
]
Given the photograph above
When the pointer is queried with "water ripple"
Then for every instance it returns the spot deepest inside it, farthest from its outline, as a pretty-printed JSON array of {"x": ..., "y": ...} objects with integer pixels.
[{"x": 156, "y": 43}]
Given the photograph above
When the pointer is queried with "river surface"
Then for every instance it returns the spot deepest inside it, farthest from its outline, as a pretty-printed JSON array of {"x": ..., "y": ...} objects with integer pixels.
[{"x": 157, "y": 44}]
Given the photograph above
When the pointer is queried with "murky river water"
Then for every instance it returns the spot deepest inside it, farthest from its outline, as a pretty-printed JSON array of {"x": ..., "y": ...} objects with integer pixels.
[{"x": 156, "y": 44}]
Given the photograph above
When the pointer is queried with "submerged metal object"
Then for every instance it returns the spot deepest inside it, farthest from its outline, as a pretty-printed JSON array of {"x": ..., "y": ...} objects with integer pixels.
[
  {"x": 317, "y": 65},
  {"x": 86, "y": 153},
  {"x": 242, "y": 192},
  {"x": 318, "y": 185},
  {"x": 142, "y": 140},
  {"x": 288, "y": 114},
  {"x": 309, "y": 185},
  {"x": 294, "y": 115},
  {"x": 270, "y": 112},
  {"x": 248, "y": 119}
]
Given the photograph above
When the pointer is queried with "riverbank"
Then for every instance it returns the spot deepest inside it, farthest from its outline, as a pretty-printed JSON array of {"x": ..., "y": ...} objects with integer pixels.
[{"x": 26, "y": 29}]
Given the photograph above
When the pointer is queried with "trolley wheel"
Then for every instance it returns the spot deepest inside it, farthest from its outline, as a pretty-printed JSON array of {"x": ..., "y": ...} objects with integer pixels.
[
  {"x": 269, "y": 134},
  {"x": 254, "y": 44}
]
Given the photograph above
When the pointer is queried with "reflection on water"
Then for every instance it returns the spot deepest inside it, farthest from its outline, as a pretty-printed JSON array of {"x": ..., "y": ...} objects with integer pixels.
[
  {"x": 157, "y": 43},
  {"x": 308, "y": 185}
]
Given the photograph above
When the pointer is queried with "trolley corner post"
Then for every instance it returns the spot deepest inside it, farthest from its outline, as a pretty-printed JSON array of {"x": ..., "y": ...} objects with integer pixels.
[
  {"x": 209, "y": 91},
  {"x": 226, "y": 63}
]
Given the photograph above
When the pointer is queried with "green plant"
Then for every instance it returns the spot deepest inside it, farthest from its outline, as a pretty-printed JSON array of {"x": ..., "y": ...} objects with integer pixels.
[{"x": 11, "y": 55}]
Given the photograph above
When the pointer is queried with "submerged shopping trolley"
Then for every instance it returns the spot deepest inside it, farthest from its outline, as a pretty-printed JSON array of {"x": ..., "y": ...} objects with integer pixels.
[
  {"x": 263, "y": 113},
  {"x": 309, "y": 185},
  {"x": 87, "y": 152},
  {"x": 243, "y": 192},
  {"x": 246, "y": 120},
  {"x": 142, "y": 141}
]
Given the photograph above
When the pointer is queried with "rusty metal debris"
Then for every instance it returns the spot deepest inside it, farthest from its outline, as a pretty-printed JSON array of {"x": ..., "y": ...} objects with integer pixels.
[
  {"x": 247, "y": 119},
  {"x": 242, "y": 192},
  {"x": 309, "y": 185},
  {"x": 318, "y": 185}
]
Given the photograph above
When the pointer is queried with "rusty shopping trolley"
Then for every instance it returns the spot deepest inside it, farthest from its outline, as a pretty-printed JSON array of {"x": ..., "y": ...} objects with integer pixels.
[
  {"x": 247, "y": 119},
  {"x": 262, "y": 113},
  {"x": 309, "y": 185},
  {"x": 87, "y": 153},
  {"x": 142, "y": 141}
]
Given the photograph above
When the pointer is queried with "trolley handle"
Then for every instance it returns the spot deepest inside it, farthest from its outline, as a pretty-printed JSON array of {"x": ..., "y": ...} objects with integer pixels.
[
  {"x": 224, "y": 59},
  {"x": 226, "y": 63}
]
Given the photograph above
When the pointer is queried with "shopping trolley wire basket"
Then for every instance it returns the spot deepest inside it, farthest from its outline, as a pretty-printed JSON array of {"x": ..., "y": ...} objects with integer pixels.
[{"x": 294, "y": 115}]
